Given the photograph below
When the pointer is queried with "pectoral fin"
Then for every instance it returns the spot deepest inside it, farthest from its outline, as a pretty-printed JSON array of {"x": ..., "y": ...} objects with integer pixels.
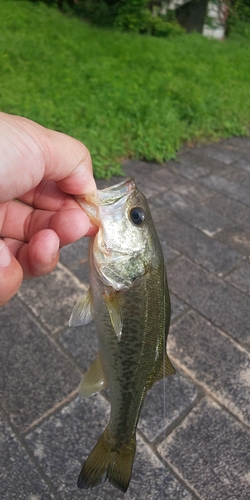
[
  {"x": 83, "y": 311},
  {"x": 114, "y": 313},
  {"x": 113, "y": 279},
  {"x": 94, "y": 379}
]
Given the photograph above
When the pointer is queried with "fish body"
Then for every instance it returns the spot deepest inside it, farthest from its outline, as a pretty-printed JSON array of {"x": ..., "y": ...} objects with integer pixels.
[{"x": 129, "y": 301}]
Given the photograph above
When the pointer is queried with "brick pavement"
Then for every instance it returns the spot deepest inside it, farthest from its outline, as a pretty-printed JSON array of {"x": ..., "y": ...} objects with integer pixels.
[{"x": 193, "y": 434}]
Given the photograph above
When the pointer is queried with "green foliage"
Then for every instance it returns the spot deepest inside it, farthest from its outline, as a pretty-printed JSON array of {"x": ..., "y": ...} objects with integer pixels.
[
  {"x": 97, "y": 11},
  {"x": 135, "y": 16},
  {"x": 125, "y": 15},
  {"x": 240, "y": 10},
  {"x": 132, "y": 15},
  {"x": 238, "y": 23},
  {"x": 240, "y": 31},
  {"x": 122, "y": 94},
  {"x": 158, "y": 27}
]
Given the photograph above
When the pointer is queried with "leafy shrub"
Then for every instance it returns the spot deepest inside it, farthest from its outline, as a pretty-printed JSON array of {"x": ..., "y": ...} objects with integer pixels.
[
  {"x": 159, "y": 27},
  {"x": 132, "y": 15},
  {"x": 240, "y": 10},
  {"x": 239, "y": 18},
  {"x": 140, "y": 20},
  {"x": 125, "y": 15}
]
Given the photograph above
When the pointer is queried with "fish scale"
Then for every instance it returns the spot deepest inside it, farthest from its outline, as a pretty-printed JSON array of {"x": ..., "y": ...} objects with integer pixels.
[{"x": 129, "y": 301}]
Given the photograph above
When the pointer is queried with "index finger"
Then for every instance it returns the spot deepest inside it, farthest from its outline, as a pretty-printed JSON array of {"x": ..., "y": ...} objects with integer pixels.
[
  {"x": 32, "y": 152},
  {"x": 68, "y": 163}
]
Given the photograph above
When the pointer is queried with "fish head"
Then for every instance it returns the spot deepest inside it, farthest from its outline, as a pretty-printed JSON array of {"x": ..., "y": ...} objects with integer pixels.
[{"x": 126, "y": 245}]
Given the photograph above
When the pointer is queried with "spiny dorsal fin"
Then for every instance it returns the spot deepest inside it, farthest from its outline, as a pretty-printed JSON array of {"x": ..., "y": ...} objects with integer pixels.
[
  {"x": 114, "y": 313},
  {"x": 83, "y": 311},
  {"x": 94, "y": 379}
]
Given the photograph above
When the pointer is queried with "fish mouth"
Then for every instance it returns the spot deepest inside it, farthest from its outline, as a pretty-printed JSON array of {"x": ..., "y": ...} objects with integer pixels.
[
  {"x": 108, "y": 196},
  {"x": 111, "y": 194}
]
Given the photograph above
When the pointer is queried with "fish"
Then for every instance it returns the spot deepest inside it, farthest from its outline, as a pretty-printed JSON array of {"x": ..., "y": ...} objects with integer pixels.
[{"x": 128, "y": 299}]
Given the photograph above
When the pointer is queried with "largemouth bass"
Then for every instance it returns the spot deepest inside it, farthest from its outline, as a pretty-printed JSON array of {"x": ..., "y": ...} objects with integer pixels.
[{"x": 129, "y": 301}]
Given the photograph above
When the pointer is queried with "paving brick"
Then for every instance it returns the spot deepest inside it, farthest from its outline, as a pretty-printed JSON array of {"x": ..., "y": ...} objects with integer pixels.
[
  {"x": 191, "y": 189},
  {"x": 222, "y": 154},
  {"x": 244, "y": 164},
  {"x": 220, "y": 365},
  {"x": 209, "y": 253},
  {"x": 134, "y": 168},
  {"x": 240, "y": 278},
  {"x": 35, "y": 375},
  {"x": 149, "y": 189},
  {"x": 165, "y": 403},
  {"x": 190, "y": 212},
  {"x": 75, "y": 258},
  {"x": 74, "y": 255},
  {"x": 163, "y": 176},
  {"x": 187, "y": 168},
  {"x": 221, "y": 185},
  {"x": 246, "y": 183},
  {"x": 246, "y": 155},
  {"x": 168, "y": 253},
  {"x": 63, "y": 442},
  {"x": 230, "y": 209},
  {"x": 219, "y": 302},
  {"x": 130, "y": 165},
  {"x": 52, "y": 297},
  {"x": 210, "y": 450},
  {"x": 157, "y": 213},
  {"x": 19, "y": 478},
  {"x": 237, "y": 238},
  {"x": 177, "y": 307},
  {"x": 81, "y": 343},
  {"x": 171, "y": 179},
  {"x": 234, "y": 174},
  {"x": 208, "y": 165},
  {"x": 240, "y": 143}
]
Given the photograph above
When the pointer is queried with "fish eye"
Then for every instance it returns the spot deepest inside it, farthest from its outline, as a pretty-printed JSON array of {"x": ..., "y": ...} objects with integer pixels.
[{"x": 137, "y": 215}]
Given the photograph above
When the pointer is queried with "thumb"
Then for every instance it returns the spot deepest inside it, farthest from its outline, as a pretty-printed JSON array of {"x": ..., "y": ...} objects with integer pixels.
[{"x": 11, "y": 274}]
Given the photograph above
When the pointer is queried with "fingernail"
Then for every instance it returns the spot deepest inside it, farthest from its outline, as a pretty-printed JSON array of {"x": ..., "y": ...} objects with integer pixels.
[{"x": 5, "y": 255}]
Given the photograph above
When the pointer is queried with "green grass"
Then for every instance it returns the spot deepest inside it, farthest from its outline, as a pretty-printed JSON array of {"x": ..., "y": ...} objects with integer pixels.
[{"x": 123, "y": 95}]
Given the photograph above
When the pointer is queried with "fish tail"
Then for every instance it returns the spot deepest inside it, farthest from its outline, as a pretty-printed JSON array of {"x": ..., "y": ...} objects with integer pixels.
[{"x": 107, "y": 461}]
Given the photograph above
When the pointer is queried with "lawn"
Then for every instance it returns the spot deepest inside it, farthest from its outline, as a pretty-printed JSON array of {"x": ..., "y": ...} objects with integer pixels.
[{"x": 124, "y": 95}]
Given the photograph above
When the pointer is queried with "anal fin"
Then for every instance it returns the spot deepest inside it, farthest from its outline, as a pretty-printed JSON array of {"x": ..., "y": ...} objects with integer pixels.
[{"x": 94, "y": 379}]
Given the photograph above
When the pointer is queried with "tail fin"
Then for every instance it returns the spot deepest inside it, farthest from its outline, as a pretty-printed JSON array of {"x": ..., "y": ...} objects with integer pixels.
[{"x": 108, "y": 462}]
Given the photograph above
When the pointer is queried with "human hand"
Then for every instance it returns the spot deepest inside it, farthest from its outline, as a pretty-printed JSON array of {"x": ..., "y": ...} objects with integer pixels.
[{"x": 40, "y": 170}]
